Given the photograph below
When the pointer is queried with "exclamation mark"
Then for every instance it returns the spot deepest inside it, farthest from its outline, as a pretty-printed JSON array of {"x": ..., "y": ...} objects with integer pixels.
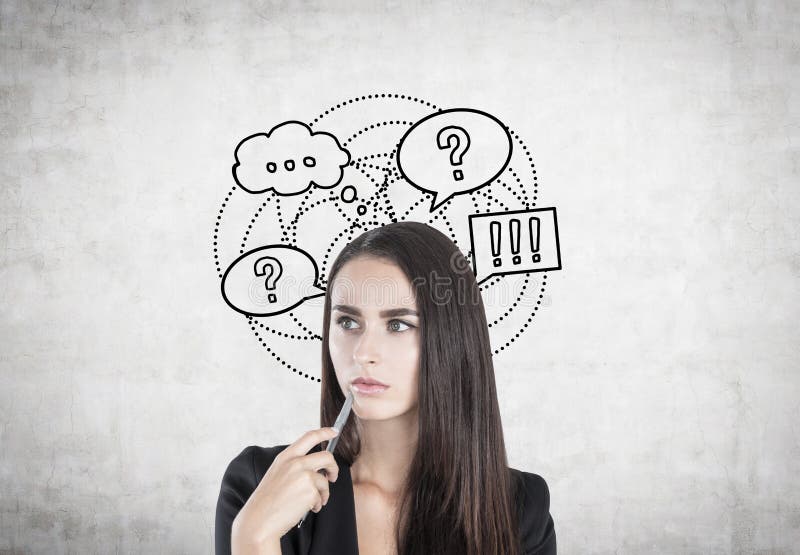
[
  {"x": 513, "y": 226},
  {"x": 533, "y": 225},
  {"x": 494, "y": 230}
]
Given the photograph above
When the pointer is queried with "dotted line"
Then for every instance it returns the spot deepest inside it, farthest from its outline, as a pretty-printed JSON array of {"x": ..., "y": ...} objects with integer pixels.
[
  {"x": 368, "y": 157},
  {"x": 294, "y": 222},
  {"x": 413, "y": 206},
  {"x": 358, "y": 165},
  {"x": 449, "y": 227},
  {"x": 287, "y": 335},
  {"x": 382, "y": 189},
  {"x": 303, "y": 202},
  {"x": 516, "y": 196},
  {"x": 252, "y": 222},
  {"x": 385, "y": 169},
  {"x": 280, "y": 218},
  {"x": 216, "y": 229},
  {"x": 438, "y": 215},
  {"x": 294, "y": 242},
  {"x": 491, "y": 282},
  {"x": 303, "y": 327},
  {"x": 528, "y": 321},
  {"x": 530, "y": 160},
  {"x": 354, "y": 136},
  {"x": 507, "y": 312},
  {"x": 342, "y": 212},
  {"x": 387, "y": 202},
  {"x": 489, "y": 197},
  {"x": 535, "y": 193},
  {"x": 311, "y": 335},
  {"x": 274, "y": 354},
  {"x": 330, "y": 248},
  {"x": 474, "y": 202},
  {"x": 370, "y": 97},
  {"x": 522, "y": 188},
  {"x": 468, "y": 256},
  {"x": 241, "y": 251}
]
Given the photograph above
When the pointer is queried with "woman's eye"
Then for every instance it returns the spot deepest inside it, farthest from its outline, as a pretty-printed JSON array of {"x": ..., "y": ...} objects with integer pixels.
[
  {"x": 345, "y": 320},
  {"x": 396, "y": 325},
  {"x": 347, "y": 323}
]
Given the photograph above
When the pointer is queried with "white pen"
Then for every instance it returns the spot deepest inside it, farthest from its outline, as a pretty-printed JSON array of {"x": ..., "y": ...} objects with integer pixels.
[{"x": 341, "y": 420}]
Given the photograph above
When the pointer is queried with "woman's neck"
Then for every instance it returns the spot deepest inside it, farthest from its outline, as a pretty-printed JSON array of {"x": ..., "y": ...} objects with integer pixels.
[{"x": 387, "y": 449}]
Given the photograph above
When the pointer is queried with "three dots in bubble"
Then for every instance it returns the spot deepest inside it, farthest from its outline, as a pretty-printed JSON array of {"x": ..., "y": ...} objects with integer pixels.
[{"x": 308, "y": 161}]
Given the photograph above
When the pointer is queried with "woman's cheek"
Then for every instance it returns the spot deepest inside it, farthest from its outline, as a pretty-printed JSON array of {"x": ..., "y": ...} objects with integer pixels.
[{"x": 337, "y": 347}]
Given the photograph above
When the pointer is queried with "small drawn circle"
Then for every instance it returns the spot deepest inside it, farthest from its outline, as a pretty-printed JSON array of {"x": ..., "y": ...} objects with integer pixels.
[
  {"x": 271, "y": 167},
  {"x": 309, "y": 162},
  {"x": 289, "y": 165},
  {"x": 348, "y": 194},
  {"x": 361, "y": 209}
]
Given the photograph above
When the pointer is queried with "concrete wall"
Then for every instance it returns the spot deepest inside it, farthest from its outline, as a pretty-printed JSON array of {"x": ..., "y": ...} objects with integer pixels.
[{"x": 666, "y": 360}]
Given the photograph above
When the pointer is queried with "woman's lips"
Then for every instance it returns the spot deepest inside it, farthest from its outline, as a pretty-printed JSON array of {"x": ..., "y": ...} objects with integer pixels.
[{"x": 369, "y": 389}]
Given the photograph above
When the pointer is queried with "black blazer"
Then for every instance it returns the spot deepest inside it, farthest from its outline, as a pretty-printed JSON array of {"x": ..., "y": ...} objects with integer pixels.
[{"x": 332, "y": 531}]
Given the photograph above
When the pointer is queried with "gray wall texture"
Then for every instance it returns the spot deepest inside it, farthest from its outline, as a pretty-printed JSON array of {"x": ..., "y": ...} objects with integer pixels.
[{"x": 665, "y": 365}]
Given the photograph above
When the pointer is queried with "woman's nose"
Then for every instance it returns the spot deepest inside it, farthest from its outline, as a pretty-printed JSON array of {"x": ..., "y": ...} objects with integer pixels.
[{"x": 367, "y": 348}]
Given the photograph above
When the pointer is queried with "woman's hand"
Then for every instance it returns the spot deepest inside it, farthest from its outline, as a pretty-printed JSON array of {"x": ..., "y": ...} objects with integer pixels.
[{"x": 291, "y": 487}]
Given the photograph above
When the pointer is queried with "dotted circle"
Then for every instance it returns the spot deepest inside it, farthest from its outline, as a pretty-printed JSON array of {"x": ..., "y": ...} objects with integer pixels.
[{"x": 519, "y": 191}]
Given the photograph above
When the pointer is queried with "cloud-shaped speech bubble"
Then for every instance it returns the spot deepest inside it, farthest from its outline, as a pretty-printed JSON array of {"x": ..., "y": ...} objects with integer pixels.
[
  {"x": 289, "y": 159},
  {"x": 270, "y": 280},
  {"x": 454, "y": 151}
]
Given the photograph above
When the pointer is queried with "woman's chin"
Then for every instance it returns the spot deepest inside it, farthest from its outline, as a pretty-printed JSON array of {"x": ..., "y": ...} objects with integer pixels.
[{"x": 367, "y": 413}]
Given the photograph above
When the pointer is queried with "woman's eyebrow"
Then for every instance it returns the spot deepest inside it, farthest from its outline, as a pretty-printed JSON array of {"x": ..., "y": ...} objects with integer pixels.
[{"x": 384, "y": 313}]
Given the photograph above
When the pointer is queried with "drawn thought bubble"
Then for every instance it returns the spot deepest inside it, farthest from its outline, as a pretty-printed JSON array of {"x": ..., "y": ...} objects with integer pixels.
[{"x": 288, "y": 160}]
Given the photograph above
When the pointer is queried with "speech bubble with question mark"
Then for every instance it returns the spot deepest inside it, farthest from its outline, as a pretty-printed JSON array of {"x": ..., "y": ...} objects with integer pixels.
[
  {"x": 251, "y": 286},
  {"x": 453, "y": 152}
]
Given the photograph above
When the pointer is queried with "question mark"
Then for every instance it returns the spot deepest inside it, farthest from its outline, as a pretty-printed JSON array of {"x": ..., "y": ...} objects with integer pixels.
[
  {"x": 445, "y": 137},
  {"x": 275, "y": 271}
]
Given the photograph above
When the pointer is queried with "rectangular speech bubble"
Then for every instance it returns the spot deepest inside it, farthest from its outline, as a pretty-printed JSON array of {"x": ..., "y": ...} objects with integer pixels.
[{"x": 514, "y": 242}]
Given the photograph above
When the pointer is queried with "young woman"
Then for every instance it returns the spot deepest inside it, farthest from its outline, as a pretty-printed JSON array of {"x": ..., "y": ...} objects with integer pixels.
[{"x": 420, "y": 467}]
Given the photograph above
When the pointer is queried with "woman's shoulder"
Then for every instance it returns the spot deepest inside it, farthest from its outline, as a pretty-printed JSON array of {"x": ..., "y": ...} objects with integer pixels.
[
  {"x": 249, "y": 466},
  {"x": 242, "y": 475},
  {"x": 534, "y": 488},
  {"x": 537, "y": 529}
]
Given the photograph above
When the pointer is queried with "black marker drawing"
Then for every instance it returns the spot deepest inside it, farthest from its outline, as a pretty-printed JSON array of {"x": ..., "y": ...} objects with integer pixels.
[
  {"x": 454, "y": 134},
  {"x": 249, "y": 288},
  {"x": 289, "y": 159},
  {"x": 486, "y": 239},
  {"x": 275, "y": 270},
  {"x": 394, "y": 157},
  {"x": 424, "y": 167}
]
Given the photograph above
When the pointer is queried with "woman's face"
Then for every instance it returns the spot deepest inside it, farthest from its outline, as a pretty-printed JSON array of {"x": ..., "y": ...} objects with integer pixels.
[{"x": 374, "y": 333}]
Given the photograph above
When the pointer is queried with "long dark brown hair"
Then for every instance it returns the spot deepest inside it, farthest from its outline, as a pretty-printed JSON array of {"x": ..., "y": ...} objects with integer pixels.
[{"x": 459, "y": 495}]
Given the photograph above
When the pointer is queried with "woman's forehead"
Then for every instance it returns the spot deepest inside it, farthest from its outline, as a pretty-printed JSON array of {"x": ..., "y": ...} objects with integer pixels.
[{"x": 372, "y": 282}]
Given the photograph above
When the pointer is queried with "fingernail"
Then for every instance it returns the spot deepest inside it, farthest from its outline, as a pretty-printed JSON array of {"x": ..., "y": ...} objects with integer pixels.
[{"x": 335, "y": 431}]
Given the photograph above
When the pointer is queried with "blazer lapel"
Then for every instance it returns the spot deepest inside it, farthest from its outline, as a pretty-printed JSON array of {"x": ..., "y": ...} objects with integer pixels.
[{"x": 332, "y": 531}]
